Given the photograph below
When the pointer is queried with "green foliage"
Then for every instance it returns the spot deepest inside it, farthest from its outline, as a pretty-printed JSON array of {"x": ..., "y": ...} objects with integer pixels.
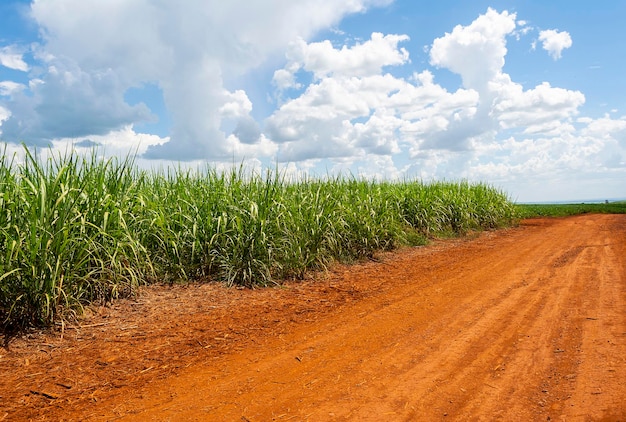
[
  {"x": 563, "y": 210},
  {"x": 64, "y": 237},
  {"x": 74, "y": 230}
]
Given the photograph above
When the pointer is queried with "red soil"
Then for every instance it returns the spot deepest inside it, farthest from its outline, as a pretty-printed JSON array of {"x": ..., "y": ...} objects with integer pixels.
[{"x": 520, "y": 324}]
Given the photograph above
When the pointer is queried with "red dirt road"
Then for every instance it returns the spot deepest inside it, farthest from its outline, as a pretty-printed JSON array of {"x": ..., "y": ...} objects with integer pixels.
[{"x": 526, "y": 324}]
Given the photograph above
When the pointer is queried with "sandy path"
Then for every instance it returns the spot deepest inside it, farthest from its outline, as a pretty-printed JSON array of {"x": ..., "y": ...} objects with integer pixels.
[{"x": 522, "y": 324}]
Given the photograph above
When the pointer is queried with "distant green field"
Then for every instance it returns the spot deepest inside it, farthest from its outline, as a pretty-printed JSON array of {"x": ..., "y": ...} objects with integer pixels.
[{"x": 563, "y": 210}]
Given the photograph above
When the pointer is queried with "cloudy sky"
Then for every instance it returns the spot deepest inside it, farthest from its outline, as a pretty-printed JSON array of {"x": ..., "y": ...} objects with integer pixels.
[{"x": 526, "y": 95}]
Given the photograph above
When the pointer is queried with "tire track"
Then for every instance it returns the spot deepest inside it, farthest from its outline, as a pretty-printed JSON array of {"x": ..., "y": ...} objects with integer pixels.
[
  {"x": 489, "y": 332},
  {"x": 522, "y": 324}
]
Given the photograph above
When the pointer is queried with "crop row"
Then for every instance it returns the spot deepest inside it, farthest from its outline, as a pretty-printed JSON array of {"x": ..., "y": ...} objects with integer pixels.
[
  {"x": 563, "y": 210},
  {"x": 77, "y": 229}
]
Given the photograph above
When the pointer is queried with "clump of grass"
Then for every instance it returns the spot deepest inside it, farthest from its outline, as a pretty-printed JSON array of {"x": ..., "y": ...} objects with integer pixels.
[
  {"x": 74, "y": 230},
  {"x": 455, "y": 208},
  {"x": 64, "y": 236}
]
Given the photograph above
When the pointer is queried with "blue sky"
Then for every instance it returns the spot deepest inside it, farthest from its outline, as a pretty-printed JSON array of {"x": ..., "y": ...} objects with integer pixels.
[{"x": 525, "y": 95}]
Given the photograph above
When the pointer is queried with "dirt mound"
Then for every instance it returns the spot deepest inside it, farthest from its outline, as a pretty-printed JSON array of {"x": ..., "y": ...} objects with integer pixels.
[{"x": 520, "y": 324}]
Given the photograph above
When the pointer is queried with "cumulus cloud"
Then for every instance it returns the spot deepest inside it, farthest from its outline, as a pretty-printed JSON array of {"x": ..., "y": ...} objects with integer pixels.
[
  {"x": 365, "y": 59},
  {"x": 347, "y": 113},
  {"x": 122, "y": 142},
  {"x": 490, "y": 129},
  {"x": 554, "y": 42},
  {"x": 69, "y": 102},
  {"x": 606, "y": 128},
  {"x": 323, "y": 60},
  {"x": 340, "y": 107},
  {"x": 102, "y": 49},
  {"x": 533, "y": 108},
  {"x": 12, "y": 58},
  {"x": 8, "y": 88},
  {"x": 475, "y": 52}
]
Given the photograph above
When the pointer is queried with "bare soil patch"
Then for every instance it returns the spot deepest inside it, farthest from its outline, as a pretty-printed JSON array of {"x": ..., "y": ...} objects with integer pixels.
[{"x": 520, "y": 324}]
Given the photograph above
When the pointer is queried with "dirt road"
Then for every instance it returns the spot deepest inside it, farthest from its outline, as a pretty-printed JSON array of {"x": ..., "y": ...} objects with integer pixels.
[{"x": 526, "y": 324}]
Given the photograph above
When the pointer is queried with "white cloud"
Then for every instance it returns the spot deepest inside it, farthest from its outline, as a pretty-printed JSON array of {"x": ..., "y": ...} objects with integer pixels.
[
  {"x": 235, "y": 104},
  {"x": 323, "y": 60},
  {"x": 8, "y": 88},
  {"x": 554, "y": 42},
  {"x": 347, "y": 114},
  {"x": 126, "y": 142},
  {"x": 122, "y": 142},
  {"x": 356, "y": 115},
  {"x": 188, "y": 49},
  {"x": 340, "y": 108},
  {"x": 69, "y": 102},
  {"x": 533, "y": 108},
  {"x": 476, "y": 52},
  {"x": 606, "y": 128},
  {"x": 365, "y": 59},
  {"x": 284, "y": 79},
  {"x": 12, "y": 58},
  {"x": 243, "y": 147},
  {"x": 4, "y": 114}
]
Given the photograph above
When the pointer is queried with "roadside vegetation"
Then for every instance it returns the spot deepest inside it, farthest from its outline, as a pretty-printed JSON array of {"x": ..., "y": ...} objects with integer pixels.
[
  {"x": 75, "y": 230},
  {"x": 564, "y": 210}
]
